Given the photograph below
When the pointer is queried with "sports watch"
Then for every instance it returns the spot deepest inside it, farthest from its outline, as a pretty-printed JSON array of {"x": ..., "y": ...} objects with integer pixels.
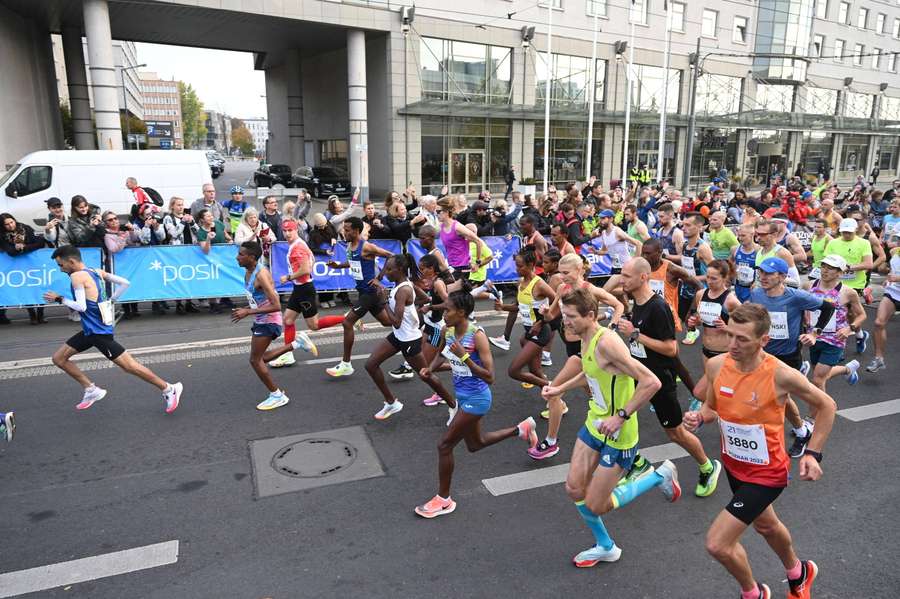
[
  {"x": 623, "y": 414},
  {"x": 814, "y": 454}
]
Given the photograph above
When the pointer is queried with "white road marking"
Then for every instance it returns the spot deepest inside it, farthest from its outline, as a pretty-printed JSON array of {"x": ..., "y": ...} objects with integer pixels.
[
  {"x": 88, "y": 568},
  {"x": 873, "y": 410},
  {"x": 542, "y": 477}
]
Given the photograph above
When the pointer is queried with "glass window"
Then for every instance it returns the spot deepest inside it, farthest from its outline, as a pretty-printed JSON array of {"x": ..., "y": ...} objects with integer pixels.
[
  {"x": 859, "y": 105},
  {"x": 643, "y": 149},
  {"x": 568, "y": 146},
  {"x": 879, "y": 22},
  {"x": 887, "y": 153},
  {"x": 333, "y": 153},
  {"x": 818, "y": 45},
  {"x": 843, "y": 13},
  {"x": 596, "y": 7},
  {"x": 710, "y": 22},
  {"x": 857, "y": 54},
  {"x": 862, "y": 17},
  {"x": 638, "y": 12},
  {"x": 815, "y": 150},
  {"x": 854, "y": 153},
  {"x": 821, "y": 9},
  {"x": 556, "y": 3},
  {"x": 892, "y": 62},
  {"x": 714, "y": 150},
  {"x": 677, "y": 16},
  {"x": 821, "y": 101},
  {"x": 463, "y": 71},
  {"x": 876, "y": 58},
  {"x": 647, "y": 88},
  {"x": 569, "y": 81},
  {"x": 718, "y": 94},
  {"x": 739, "y": 35},
  {"x": 838, "y": 50},
  {"x": 890, "y": 109},
  {"x": 31, "y": 180},
  {"x": 468, "y": 154},
  {"x": 774, "y": 98},
  {"x": 896, "y": 30}
]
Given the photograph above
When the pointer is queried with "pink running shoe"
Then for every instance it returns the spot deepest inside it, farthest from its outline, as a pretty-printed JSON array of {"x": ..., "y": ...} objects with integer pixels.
[
  {"x": 432, "y": 401},
  {"x": 437, "y": 506},
  {"x": 527, "y": 432},
  {"x": 91, "y": 394},
  {"x": 543, "y": 450}
]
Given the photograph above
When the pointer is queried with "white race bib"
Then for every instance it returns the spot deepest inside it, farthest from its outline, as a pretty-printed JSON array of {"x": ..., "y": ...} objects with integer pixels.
[
  {"x": 745, "y": 442},
  {"x": 596, "y": 393},
  {"x": 687, "y": 263},
  {"x": 250, "y": 301},
  {"x": 457, "y": 366},
  {"x": 658, "y": 287},
  {"x": 745, "y": 274},
  {"x": 831, "y": 327},
  {"x": 525, "y": 313},
  {"x": 356, "y": 270},
  {"x": 616, "y": 261},
  {"x": 709, "y": 312},
  {"x": 779, "y": 327},
  {"x": 637, "y": 349}
]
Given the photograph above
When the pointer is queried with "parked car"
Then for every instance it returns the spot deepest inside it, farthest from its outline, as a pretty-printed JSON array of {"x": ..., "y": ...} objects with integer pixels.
[
  {"x": 214, "y": 156},
  {"x": 269, "y": 175},
  {"x": 215, "y": 168},
  {"x": 323, "y": 181}
]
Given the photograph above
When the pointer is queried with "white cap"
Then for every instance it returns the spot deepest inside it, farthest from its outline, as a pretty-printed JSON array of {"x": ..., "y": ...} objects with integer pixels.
[
  {"x": 848, "y": 225},
  {"x": 836, "y": 261}
]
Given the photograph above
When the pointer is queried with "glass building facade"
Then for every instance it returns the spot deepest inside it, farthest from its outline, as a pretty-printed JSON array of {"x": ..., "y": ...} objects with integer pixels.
[
  {"x": 568, "y": 151},
  {"x": 571, "y": 76},
  {"x": 464, "y": 71},
  {"x": 466, "y": 154},
  {"x": 783, "y": 27}
]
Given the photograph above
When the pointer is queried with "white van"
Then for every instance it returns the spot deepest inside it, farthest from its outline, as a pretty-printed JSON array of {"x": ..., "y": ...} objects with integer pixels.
[{"x": 99, "y": 176}]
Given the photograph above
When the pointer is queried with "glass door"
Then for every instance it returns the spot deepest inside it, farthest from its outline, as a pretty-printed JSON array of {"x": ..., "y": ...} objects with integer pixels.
[{"x": 466, "y": 171}]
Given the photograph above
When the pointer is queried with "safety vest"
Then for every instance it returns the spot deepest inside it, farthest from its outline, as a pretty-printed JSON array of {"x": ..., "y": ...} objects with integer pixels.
[{"x": 645, "y": 176}]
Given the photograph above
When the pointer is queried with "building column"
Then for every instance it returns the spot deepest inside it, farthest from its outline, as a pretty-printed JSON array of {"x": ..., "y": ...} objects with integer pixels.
[
  {"x": 358, "y": 121},
  {"x": 278, "y": 148},
  {"x": 79, "y": 99},
  {"x": 296, "y": 137},
  {"x": 103, "y": 74}
]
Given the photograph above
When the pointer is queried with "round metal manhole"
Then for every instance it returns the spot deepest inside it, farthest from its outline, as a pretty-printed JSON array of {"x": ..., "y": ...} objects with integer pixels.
[{"x": 314, "y": 458}]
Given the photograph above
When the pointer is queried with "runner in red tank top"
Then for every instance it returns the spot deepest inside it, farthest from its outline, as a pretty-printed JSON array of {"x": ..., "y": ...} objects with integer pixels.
[{"x": 747, "y": 396}]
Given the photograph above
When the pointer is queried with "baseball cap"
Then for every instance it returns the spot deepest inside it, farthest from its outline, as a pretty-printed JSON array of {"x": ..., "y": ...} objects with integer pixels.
[
  {"x": 607, "y": 213},
  {"x": 806, "y": 194},
  {"x": 848, "y": 225},
  {"x": 836, "y": 261},
  {"x": 774, "y": 264},
  {"x": 289, "y": 225},
  {"x": 53, "y": 202},
  {"x": 715, "y": 189},
  {"x": 479, "y": 205}
]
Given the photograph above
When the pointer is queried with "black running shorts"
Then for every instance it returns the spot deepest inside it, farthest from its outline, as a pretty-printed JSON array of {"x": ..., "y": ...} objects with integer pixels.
[
  {"x": 368, "y": 302},
  {"x": 105, "y": 344},
  {"x": 303, "y": 300},
  {"x": 407, "y": 348},
  {"x": 665, "y": 402},
  {"x": 749, "y": 499}
]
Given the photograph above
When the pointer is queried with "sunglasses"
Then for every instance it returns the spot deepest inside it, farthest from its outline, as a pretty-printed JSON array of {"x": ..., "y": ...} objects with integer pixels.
[
  {"x": 438, "y": 211},
  {"x": 111, "y": 219}
]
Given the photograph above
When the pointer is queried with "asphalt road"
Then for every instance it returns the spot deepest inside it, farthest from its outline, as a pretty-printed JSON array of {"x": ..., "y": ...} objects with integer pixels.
[{"x": 124, "y": 475}]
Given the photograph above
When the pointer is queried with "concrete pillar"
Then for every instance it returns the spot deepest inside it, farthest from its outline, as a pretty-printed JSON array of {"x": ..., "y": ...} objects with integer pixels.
[
  {"x": 79, "y": 99},
  {"x": 295, "y": 109},
  {"x": 103, "y": 74},
  {"x": 278, "y": 149},
  {"x": 358, "y": 121}
]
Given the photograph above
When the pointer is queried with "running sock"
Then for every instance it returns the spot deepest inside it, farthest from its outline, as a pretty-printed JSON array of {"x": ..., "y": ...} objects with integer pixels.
[
  {"x": 595, "y": 523},
  {"x": 551, "y": 440},
  {"x": 751, "y": 594},
  {"x": 290, "y": 333},
  {"x": 795, "y": 573},
  {"x": 478, "y": 290},
  {"x": 707, "y": 467},
  {"x": 639, "y": 462},
  {"x": 330, "y": 321},
  {"x": 803, "y": 430},
  {"x": 860, "y": 334},
  {"x": 625, "y": 494}
]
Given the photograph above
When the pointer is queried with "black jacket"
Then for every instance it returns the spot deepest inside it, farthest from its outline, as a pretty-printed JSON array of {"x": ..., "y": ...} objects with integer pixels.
[{"x": 29, "y": 240}]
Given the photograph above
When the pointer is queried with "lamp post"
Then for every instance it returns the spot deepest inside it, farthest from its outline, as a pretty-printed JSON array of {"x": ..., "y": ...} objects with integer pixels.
[{"x": 125, "y": 100}]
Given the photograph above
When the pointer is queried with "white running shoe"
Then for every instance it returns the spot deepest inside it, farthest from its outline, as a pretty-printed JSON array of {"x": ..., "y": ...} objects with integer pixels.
[
  {"x": 389, "y": 410},
  {"x": 596, "y": 554},
  {"x": 500, "y": 342},
  {"x": 9, "y": 425},
  {"x": 74, "y": 316},
  {"x": 452, "y": 412},
  {"x": 91, "y": 394},
  {"x": 274, "y": 400},
  {"x": 342, "y": 369},
  {"x": 546, "y": 359},
  {"x": 302, "y": 341},
  {"x": 283, "y": 360},
  {"x": 669, "y": 487},
  {"x": 172, "y": 397}
]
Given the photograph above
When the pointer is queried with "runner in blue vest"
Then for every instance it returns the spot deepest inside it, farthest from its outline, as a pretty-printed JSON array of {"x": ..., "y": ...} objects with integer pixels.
[
  {"x": 97, "y": 324},
  {"x": 743, "y": 257},
  {"x": 695, "y": 255}
]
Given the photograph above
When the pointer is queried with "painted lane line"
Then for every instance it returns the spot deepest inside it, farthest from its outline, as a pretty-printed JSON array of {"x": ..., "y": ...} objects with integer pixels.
[
  {"x": 542, "y": 477},
  {"x": 874, "y": 410},
  {"x": 88, "y": 568}
]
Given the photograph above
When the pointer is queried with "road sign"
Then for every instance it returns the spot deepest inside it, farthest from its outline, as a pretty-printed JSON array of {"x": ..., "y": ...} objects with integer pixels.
[{"x": 165, "y": 144}]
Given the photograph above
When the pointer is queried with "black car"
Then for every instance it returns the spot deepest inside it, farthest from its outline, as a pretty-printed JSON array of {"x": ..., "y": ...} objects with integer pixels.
[
  {"x": 269, "y": 175},
  {"x": 322, "y": 181},
  {"x": 214, "y": 168}
]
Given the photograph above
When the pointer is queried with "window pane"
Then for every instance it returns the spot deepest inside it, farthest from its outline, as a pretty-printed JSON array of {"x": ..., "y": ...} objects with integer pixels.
[
  {"x": 718, "y": 94},
  {"x": 740, "y": 30},
  {"x": 710, "y": 18},
  {"x": 775, "y": 98},
  {"x": 821, "y": 8},
  {"x": 862, "y": 17},
  {"x": 859, "y": 105},
  {"x": 821, "y": 101},
  {"x": 839, "y": 50}
]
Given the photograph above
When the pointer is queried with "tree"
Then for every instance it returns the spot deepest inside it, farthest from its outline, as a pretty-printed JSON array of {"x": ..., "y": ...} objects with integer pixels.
[
  {"x": 242, "y": 139},
  {"x": 68, "y": 127},
  {"x": 236, "y": 123},
  {"x": 135, "y": 126},
  {"x": 193, "y": 117}
]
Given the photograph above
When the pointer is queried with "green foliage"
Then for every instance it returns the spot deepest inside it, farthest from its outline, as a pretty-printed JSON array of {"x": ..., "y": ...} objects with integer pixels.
[
  {"x": 68, "y": 127},
  {"x": 192, "y": 115},
  {"x": 242, "y": 139}
]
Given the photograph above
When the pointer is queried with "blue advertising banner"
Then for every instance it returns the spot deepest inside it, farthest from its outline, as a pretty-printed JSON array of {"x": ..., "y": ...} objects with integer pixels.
[
  {"x": 324, "y": 277},
  {"x": 167, "y": 272},
  {"x": 502, "y": 268},
  {"x": 601, "y": 266},
  {"x": 25, "y": 278}
]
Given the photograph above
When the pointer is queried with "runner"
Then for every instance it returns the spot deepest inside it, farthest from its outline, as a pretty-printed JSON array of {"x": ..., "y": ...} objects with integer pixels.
[
  {"x": 467, "y": 353},
  {"x": 8, "y": 425},
  {"x": 560, "y": 238},
  {"x": 721, "y": 240},
  {"x": 650, "y": 331},
  {"x": 572, "y": 270},
  {"x": 818, "y": 243},
  {"x": 428, "y": 240},
  {"x": 670, "y": 237},
  {"x": 857, "y": 252},
  {"x": 614, "y": 242},
  {"x": 456, "y": 238},
  {"x": 743, "y": 258},
  {"x": 890, "y": 303},
  {"x": 97, "y": 329},
  {"x": 433, "y": 282},
  {"x": 303, "y": 300},
  {"x": 748, "y": 396},
  {"x": 785, "y": 306},
  {"x": 695, "y": 255},
  {"x": 848, "y": 317},
  {"x": 636, "y": 228},
  {"x": 361, "y": 262},
  {"x": 712, "y": 307},
  {"x": 265, "y": 307},
  {"x": 607, "y": 442},
  {"x": 766, "y": 230},
  {"x": 533, "y": 292},
  {"x": 405, "y": 338}
]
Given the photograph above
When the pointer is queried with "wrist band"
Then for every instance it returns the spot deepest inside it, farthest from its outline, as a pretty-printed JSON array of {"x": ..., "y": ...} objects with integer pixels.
[{"x": 464, "y": 357}]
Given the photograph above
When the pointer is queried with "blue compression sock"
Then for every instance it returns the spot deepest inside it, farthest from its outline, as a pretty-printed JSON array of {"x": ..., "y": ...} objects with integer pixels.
[
  {"x": 625, "y": 494},
  {"x": 595, "y": 523}
]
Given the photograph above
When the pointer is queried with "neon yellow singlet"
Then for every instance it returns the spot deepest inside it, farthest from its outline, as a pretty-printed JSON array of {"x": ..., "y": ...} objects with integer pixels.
[
  {"x": 527, "y": 303},
  {"x": 605, "y": 387}
]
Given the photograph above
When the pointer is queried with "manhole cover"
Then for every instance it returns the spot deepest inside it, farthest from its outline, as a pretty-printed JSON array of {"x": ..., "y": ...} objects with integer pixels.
[{"x": 314, "y": 458}]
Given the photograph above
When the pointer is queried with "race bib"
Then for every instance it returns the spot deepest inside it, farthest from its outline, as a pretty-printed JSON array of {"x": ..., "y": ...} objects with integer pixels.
[
  {"x": 831, "y": 327},
  {"x": 658, "y": 287},
  {"x": 250, "y": 301},
  {"x": 745, "y": 442},
  {"x": 356, "y": 270},
  {"x": 746, "y": 274},
  {"x": 779, "y": 326},
  {"x": 457, "y": 366},
  {"x": 525, "y": 313},
  {"x": 616, "y": 261},
  {"x": 596, "y": 393},
  {"x": 709, "y": 312},
  {"x": 687, "y": 263},
  {"x": 637, "y": 349}
]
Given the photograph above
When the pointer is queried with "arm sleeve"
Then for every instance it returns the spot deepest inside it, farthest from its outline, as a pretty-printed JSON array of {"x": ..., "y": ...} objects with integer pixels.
[
  {"x": 121, "y": 284},
  {"x": 80, "y": 302},
  {"x": 827, "y": 311}
]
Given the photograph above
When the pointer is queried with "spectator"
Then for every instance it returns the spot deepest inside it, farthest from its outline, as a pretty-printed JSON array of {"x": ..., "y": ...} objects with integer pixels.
[
  {"x": 510, "y": 180},
  {"x": 271, "y": 217},
  {"x": 208, "y": 202},
  {"x": 140, "y": 196},
  {"x": 501, "y": 218},
  {"x": 373, "y": 222},
  {"x": 253, "y": 229},
  {"x": 55, "y": 231},
  {"x": 152, "y": 232},
  {"x": 322, "y": 239},
  {"x": 211, "y": 230},
  {"x": 116, "y": 238},
  {"x": 236, "y": 207},
  {"x": 428, "y": 208},
  {"x": 17, "y": 239},
  {"x": 85, "y": 226},
  {"x": 180, "y": 230},
  {"x": 337, "y": 213},
  {"x": 481, "y": 219},
  {"x": 873, "y": 176},
  {"x": 400, "y": 223},
  {"x": 303, "y": 204}
]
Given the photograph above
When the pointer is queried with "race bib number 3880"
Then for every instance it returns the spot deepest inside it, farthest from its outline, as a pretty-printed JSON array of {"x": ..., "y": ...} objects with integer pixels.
[{"x": 745, "y": 442}]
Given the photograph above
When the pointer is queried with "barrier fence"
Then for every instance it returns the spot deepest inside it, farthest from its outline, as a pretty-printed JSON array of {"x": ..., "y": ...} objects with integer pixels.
[{"x": 172, "y": 272}]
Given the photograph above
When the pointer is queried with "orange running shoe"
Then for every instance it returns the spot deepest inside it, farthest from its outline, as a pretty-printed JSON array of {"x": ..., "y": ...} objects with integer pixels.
[
  {"x": 436, "y": 506},
  {"x": 802, "y": 589}
]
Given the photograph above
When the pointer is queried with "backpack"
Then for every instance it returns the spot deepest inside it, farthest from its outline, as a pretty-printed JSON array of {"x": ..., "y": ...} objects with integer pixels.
[{"x": 155, "y": 196}]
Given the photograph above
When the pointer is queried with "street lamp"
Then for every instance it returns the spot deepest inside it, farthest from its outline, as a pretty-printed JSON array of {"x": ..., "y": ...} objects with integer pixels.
[{"x": 125, "y": 100}]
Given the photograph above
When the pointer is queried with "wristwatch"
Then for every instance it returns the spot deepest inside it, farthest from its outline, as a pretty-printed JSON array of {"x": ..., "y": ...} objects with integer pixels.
[
  {"x": 814, "y": 454},
  {"x": 623, "y": 414}
]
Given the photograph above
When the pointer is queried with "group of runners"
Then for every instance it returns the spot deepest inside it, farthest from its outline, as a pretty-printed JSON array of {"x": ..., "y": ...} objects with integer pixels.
[{"x": 622, "y": 347}]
